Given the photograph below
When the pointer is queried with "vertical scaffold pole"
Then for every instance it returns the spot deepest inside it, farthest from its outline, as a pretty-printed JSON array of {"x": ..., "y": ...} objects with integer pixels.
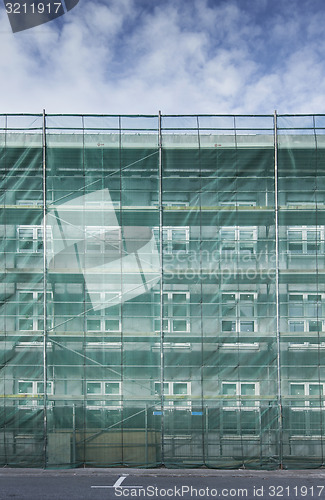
[
  {"x": 161, "y": 309},
  {"x": 277, "y": 291},
  {"x": 44, "y": 292}
]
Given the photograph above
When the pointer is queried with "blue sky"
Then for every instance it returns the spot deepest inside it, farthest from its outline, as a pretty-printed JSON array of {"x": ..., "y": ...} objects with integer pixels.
[{"x": 180, "y": 57}]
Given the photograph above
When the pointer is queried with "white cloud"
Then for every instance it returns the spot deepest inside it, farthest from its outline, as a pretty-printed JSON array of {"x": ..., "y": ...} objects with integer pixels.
[{"x": 181, "y": 57}]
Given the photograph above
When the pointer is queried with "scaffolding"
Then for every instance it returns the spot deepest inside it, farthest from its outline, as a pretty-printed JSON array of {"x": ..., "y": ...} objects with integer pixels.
[{"x": 162, "y": 291}]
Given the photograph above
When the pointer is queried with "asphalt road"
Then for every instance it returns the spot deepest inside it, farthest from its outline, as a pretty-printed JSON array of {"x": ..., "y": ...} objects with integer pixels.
[{"x": 106, "y": 484}]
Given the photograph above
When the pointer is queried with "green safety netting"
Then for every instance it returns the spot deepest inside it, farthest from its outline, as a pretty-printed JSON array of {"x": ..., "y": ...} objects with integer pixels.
[{"x": 162, "y": 291}]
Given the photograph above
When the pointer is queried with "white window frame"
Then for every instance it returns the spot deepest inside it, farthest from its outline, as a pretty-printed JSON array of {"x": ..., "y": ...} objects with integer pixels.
[
  {"x": 307, "y": 402},
  {"x": 238, "y": 404},
  {"x": 306, "y": 325},
  {"x": 169, "y": 240},
  {"x": 183, "y": 204},
  {"x": 237, "y": 204},
  {"x": 305, "y": 313},
  {"x": 102, "y": 205},
  {"x": 168, "y": 322},
  {"x": 36, "y": 316},
  {"x": 242, "y": 346},
  {"x": 30, "y": 203},
  {"x": 171, "y": 400},
  {"x": 237, "y": 241},
  {"x": 298, "y": 346},
  {"x": 37, "y": 237},
  {"x": 116, "y": 346},
  {"x": 304, "y": 241},
  {"x": 102, "y": 316},
  {"x": 172, "y": 345},
  {"x": 34, "y": 344},
  {"x": 97, "y": 235},
  {"x": 237, "y": 318},
  {"x": 299, "y": 204},
  {"x": 100, "y": 403},
  {"x": 36, "y": 397}
]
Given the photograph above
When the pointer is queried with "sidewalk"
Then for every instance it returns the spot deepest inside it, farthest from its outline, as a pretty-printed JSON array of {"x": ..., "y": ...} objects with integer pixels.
[{"x": 164, "y": 472}]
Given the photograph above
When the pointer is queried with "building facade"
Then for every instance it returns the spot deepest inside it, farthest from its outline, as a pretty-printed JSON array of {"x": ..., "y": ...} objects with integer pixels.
[{"x": 162, "y": 291}]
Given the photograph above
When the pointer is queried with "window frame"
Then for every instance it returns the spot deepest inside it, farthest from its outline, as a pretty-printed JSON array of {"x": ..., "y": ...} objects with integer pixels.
[
  {"x": 30, "y": 203},
  {"x": 37, "y": 238},
  {"x": 35, "y": 400},
  {"x": 237, "y": 318},
  {"x": 170, "y": 394},
  {"x": 169, "y": 240},
  {"x": 170, "y": 318},
  {"x": 238, "y": 396},
  {"x": 102, "y": 316},
  {"x": 305, "y": 318},
  {"x": 306, "y": 405},
  {"x": 237, "y": 203},
  {"x": 304, "y": 240},
  {"x": 103, "y": 403},
  {"x": 95, "y": 234},
  {"x": 35, "y": 315},
  {"x": 237, "y": 241}
]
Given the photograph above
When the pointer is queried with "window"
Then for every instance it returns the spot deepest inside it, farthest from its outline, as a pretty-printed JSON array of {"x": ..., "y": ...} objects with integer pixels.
[
  {"x": 240, "y": 395},
  {"x": 102, "y": 205},
  {"x": 175, "y": 203},
  {"x": 32, "y": 391},
  {"x": 305, "y": 240},
  {"x": 240, "y": 405},
  {"x": 305, "y": 312},
  {"x": 175, "y": 394},
  {"x": 104, "y": 312},
  {"x": 238, "y": 312},
  {"x": 299, "y": 346},
  {"x": 306, "y": 404},
  {"x": 105, "y": 345},
  {"x": 103, "y": 239},
  {"x": 251, "y": 346},
  {"x": 181, "y": 346},
  {"x": 235, "y": 203},
  {"x": 175, "y": 239},
  {"x": 30, "y": 239},
  {"x": 34, "y": 344},
  {"x": 303, "y": 199},
  {"x": 313, "y": 391},
  {"x": 176, "y": 311},
  {"x": 30, "y": 310},
  {"x": 30, "y": 203},
  {"x": 235, "y": 239},
  {"x": 98, "y": 389}
]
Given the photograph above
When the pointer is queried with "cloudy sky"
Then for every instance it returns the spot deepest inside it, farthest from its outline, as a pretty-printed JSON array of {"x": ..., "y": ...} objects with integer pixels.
[{"x": 177, "y": 56}]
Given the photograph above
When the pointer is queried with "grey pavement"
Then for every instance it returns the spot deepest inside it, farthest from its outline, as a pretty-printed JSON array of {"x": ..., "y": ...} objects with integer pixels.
[{"x": 112, "y": 483}]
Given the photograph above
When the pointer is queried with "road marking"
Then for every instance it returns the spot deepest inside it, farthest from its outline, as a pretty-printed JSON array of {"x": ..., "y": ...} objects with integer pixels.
[{"x": 118, "y": 483}]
